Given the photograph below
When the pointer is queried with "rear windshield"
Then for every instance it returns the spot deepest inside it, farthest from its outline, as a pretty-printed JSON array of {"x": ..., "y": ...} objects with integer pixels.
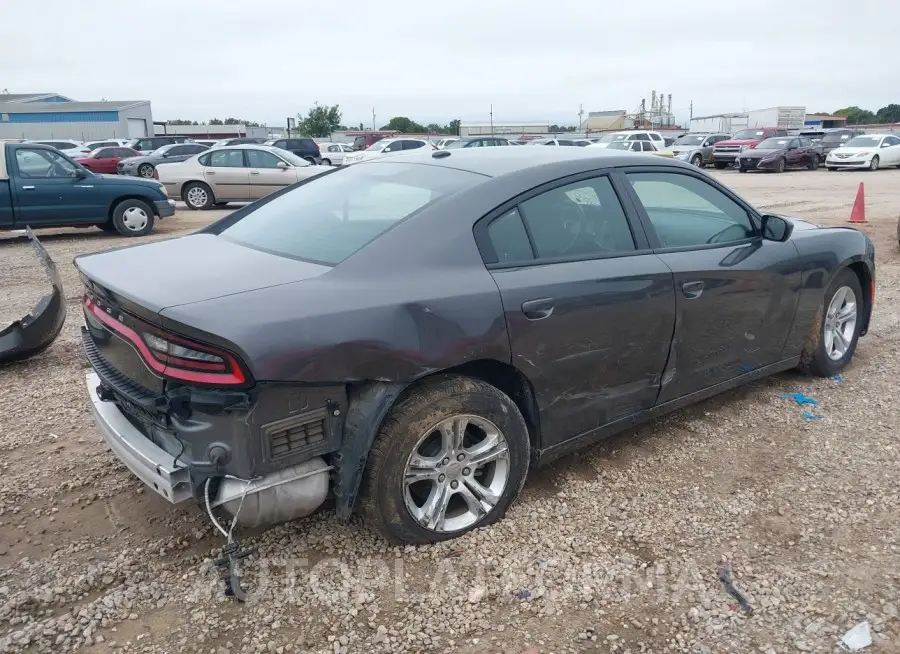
[
  {"x": 746, "y": 134},
  {"x": 331, "y": 217},
  {"x": 836, "y": 137}
]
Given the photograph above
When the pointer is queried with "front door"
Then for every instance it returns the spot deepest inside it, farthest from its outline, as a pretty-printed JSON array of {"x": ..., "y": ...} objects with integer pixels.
[
  {"x": 53, "y": 190},
  {"x": 227, "y": 175},
  {"x": 265, "y": 175},
  {"x": 735, "y": 293},
  {"x": 589, "y": 309}
]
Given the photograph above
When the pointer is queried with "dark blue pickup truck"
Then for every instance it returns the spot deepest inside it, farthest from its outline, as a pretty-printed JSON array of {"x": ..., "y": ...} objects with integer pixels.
[{"x": 41, "y": 187}]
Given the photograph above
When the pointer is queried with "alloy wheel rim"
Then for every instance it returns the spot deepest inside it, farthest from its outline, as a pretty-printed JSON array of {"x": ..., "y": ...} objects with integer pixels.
[
  {"x": 874, "y": 164},
  {"x": 146, "y": 171},
  {"x": 456, "y": 474},
  {"x": 197, "y": 197},
  {"x": 840, "y": 323},
  {"x": 135, "y": 219}
]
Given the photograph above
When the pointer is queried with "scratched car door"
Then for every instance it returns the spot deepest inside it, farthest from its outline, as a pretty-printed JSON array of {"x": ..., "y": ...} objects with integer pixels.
[{"x": 589, "y": 309}]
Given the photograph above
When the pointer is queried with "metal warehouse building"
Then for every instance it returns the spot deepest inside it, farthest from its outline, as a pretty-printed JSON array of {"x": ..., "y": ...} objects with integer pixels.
[{"x": 50, "y": 115}]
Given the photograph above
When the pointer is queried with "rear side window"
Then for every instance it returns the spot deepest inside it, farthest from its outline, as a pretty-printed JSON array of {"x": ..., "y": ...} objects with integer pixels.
[
  {"x": 331, "y": 217},
  {"x": 509, "y": 238},
  {"x": 226, "y": 159}
]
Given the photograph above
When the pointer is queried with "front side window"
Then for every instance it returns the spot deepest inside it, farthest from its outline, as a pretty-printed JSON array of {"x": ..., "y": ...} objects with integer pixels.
[
  {"x": 44, "y": 164},
  {"x": 331, "y": 217},
  {"x": 892, "y": 140},
  {"x": 656, "y": 137},
  {"x": 686, "y": 211},
  {"x": 227, "y": 159},
  {"x": 105, "y": 153},
  {"x": 581, "y": 219},
  {"x": 262, "y": 159}
]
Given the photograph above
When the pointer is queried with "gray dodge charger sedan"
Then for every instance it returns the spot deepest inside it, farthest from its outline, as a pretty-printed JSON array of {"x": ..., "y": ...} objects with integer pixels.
[{"x": 411, "y": 335}]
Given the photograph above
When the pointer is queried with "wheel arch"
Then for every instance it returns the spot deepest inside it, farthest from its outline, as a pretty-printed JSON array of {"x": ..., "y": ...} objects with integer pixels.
[
  {"x": 187, "y": 183},
  {"x": 867, "y": 283},
  {"x": 371, "y": 402}
]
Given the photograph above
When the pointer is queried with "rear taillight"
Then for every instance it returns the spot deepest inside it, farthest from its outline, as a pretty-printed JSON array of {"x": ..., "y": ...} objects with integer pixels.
[
  {"x": 173, "y": 356},
  {"x": 155, "y": 174}
]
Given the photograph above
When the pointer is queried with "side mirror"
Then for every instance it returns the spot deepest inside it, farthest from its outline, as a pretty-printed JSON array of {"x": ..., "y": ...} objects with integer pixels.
[
  {"x": 776, "y": 228},
  {"x": 81, "y": 173},
  {"x": 885, "y": 145},
  {"x": 282, "y": 165}
]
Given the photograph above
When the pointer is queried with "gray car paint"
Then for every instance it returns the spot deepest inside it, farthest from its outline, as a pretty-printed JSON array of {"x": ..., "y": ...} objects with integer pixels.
[
  {"x": 133, "y": 163},
  {"x": 622, "y": 345}
]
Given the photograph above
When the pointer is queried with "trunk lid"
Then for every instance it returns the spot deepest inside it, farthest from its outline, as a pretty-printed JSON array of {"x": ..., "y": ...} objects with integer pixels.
[
  {"x": 132, "y": 285},
  {"x": 189, "y": 269}
]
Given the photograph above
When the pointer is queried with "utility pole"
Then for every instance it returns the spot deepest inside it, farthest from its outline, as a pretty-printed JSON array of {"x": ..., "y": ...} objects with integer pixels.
[
  {"x": 580, "y": 114},
  {"x": 373, "y": 119},
  {"x": 492, "y": 119},
  {"x": 690, "y": 120}
]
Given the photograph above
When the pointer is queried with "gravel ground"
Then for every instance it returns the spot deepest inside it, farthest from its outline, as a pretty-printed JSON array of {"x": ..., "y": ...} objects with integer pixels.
[{"x": 614, "y": 550}]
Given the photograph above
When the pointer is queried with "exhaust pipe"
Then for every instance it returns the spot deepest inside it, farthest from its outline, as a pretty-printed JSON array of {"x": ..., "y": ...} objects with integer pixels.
[{"x": 280, "y": 496}]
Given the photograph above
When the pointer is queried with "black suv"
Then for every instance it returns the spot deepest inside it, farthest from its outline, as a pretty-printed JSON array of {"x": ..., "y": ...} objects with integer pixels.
[
  {"x": 151, "y": 143},
  {"x": 305, "y": 148}
]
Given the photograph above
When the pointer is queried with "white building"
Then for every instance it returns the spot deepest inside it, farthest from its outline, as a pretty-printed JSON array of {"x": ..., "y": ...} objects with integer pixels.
[
  {"x": 54, "y": 116},
  {"x": 511, "y": 128}
]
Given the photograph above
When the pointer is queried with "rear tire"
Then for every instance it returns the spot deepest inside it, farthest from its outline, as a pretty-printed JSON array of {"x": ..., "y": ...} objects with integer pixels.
[
  {"x": 813, "y": 163},
  {"x": 825, "y": 353},
  {"x": 411, "y": 444},
  {"x": 197, "y": 196},
  {"x": 719, "y": 165},
  {"x": 326, "y": 162},
  {"x": 133, "y": 218},
  {"x": 779, "y": 166}
]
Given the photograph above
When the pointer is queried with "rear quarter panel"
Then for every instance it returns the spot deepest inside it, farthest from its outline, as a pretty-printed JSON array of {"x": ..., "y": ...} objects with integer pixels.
[{"x": 823, "y": 253}]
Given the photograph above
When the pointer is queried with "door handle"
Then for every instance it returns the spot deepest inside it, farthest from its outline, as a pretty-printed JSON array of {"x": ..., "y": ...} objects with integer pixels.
[
  {"x": 692, "y": 290},
  {"x": 210, "y": 172},
  {"x": 27, "y": 188},
  {"x": 538, "y": 309},
  {"x": 254, "y": 172}
]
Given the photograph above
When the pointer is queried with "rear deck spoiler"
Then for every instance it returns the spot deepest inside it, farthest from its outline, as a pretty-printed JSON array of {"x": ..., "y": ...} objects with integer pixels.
[{"x": 35, "y": 332}]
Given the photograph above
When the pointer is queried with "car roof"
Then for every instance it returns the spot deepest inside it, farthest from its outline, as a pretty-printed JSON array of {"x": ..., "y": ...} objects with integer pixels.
[
  {"x": 248, "y": 146},
  {"x": 493, "y": 162}
]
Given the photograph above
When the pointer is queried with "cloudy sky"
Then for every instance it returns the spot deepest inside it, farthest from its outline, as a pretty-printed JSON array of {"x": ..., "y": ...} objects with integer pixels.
[{"x": 434, "y": 61}]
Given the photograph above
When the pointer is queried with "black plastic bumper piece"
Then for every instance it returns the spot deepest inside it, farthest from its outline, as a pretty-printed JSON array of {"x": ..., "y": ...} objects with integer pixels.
[{"x": 35, "y": 332}]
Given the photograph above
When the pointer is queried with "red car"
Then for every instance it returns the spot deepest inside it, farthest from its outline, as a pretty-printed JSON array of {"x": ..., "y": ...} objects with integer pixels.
[{"x": 105, "y": 160}]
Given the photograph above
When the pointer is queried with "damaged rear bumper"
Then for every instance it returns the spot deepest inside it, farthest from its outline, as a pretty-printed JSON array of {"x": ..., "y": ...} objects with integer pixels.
[
  {"x": 35, "y": 332},
  {"x": 149, "y": 463}
]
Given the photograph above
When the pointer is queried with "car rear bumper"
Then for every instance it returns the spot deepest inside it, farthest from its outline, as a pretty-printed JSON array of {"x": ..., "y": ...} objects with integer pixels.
[{"x": 149, "y": 463}]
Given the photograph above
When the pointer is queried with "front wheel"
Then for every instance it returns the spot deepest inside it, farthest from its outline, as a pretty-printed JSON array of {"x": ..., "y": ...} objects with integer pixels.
[
  {"x": 874, "y": 164},
  {"x": 145, "y": 170},
  {"x": 133, "y": 218},
  {"x": 813, "y": 163},
  {"x": 835, "y": 335},
  {"x": 779, "y": 166},
  {"x": 197, "y": 196},
  {"x": 720, "y": 165},
  {"x": 697, "y": 161},
  {"x": 451, "y": 456}
]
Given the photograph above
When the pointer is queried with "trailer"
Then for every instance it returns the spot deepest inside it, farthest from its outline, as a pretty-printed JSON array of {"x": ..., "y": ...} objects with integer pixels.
[
  {"x": 719, "y": 123},
  {"x": 786, "y": 117}
]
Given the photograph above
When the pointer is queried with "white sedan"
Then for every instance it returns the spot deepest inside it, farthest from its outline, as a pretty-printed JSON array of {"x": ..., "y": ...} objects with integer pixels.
[
  {"x": 386, "y": 147},
  {"x": 870, "y": 151}
]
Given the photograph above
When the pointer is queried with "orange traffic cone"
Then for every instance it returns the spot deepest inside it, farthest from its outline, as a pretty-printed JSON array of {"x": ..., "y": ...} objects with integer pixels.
[{"x": 858, "y": 213}]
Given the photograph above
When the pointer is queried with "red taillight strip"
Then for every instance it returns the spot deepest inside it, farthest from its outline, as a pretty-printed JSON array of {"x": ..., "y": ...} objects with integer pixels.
[{"x": 232, "y": 378}]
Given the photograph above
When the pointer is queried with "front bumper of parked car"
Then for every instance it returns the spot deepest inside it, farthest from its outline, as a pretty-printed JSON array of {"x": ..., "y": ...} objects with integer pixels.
[
  {"x": 853, "y": 161},
  {"x": 756, "y": 163}
]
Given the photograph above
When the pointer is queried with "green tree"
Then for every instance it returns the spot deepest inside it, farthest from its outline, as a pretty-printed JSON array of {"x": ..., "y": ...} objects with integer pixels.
[
  {"x": 434, "y": 128},
  {"x": 320, "y": 121},
  {"x": 179, "y": 121},
  {"x": 240, "y": 121},
  {"x": 215, "y": 121},
  {"x": 856, "y": 116},
  {"x": 453, "y": 127},
  {"x": 888, "y": 114},
  {"x": 403, "y": 124}
]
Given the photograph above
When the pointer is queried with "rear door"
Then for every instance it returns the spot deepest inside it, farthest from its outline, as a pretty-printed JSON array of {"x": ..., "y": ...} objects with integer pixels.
[
  {"x": 890, "y": 150},
  {"x": 227, "y": 175},
  {"x": 589, "y": 308},
  {"x": 49, "y": 190},
  {"x": 265, "y": 175},
  {"x": 735, "y": 292},
  {"x": 104, "y": 161}
]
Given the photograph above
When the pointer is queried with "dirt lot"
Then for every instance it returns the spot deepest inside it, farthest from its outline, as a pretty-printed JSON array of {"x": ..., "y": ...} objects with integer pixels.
[{"x": 615, "y": 550}]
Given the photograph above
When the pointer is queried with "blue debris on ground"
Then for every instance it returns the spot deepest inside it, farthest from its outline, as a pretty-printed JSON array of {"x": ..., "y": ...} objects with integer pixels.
[
  {"x": 799, "y": 398},
  {"x": 837, "y": 379},
  {"x": 809, "y": 415}
]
